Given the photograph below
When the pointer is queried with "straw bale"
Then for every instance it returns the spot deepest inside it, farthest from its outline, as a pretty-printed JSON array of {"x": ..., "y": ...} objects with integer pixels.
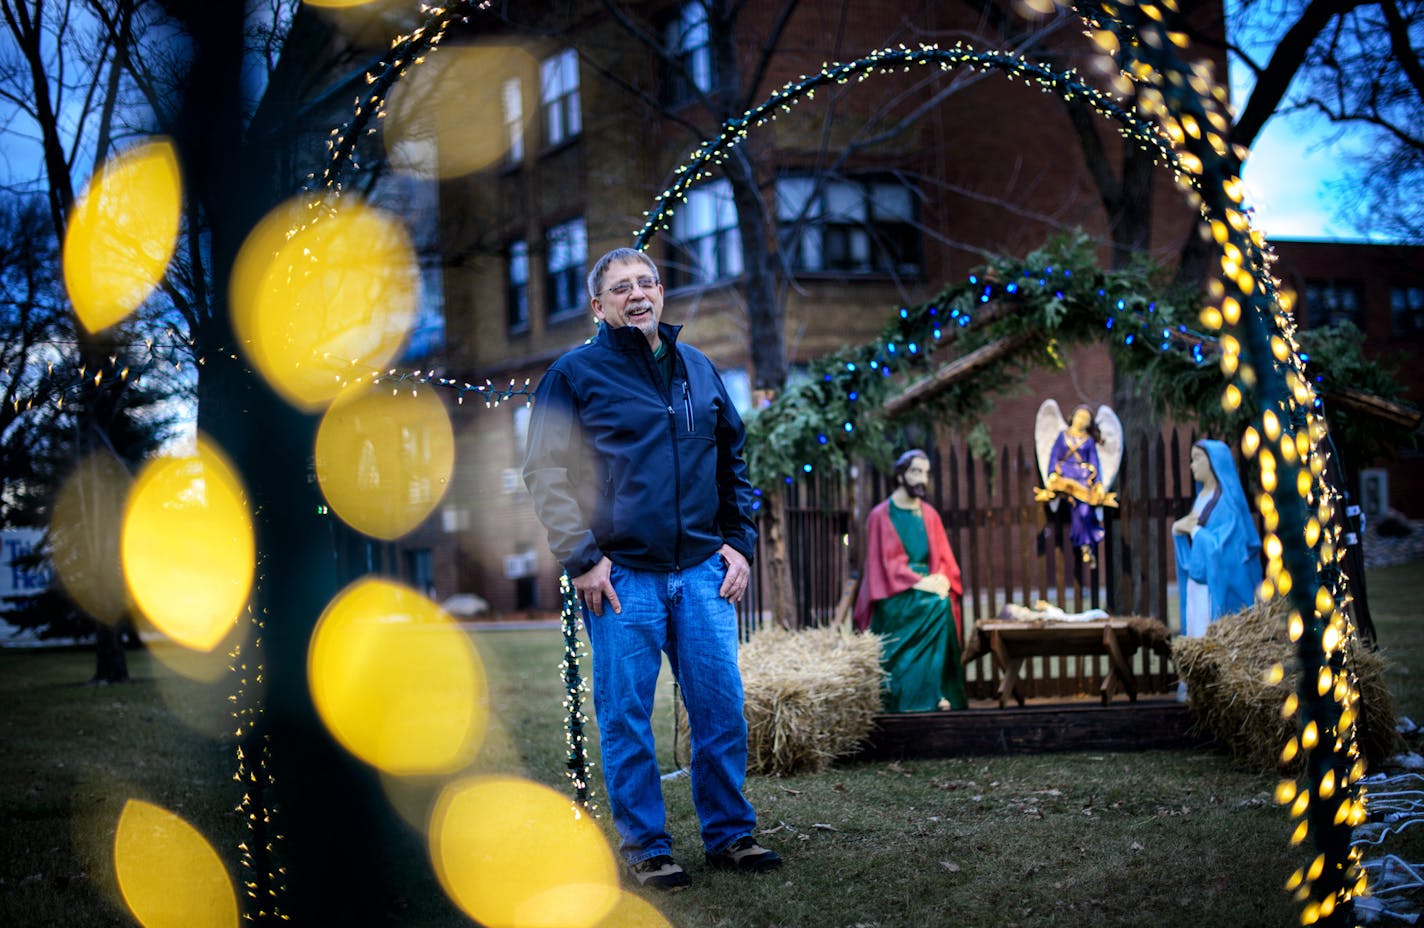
[
  {"x": 811, "y": 697},
  {"x": 1230, "y": 700}
]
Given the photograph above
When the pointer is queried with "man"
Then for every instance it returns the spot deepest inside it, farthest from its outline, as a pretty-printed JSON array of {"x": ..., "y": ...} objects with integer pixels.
[
  {"x": 635, "y": 464},
  {"x": 909, "y": 595}
]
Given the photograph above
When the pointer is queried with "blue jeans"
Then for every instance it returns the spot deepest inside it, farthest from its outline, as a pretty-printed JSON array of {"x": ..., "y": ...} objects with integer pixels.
[{"x": 680, "y": 613}]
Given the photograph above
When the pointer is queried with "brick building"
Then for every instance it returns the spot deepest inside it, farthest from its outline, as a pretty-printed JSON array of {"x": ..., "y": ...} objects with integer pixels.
[
  {"x": 1380, "y": 290},
  {"x": 878, "y": 194}
]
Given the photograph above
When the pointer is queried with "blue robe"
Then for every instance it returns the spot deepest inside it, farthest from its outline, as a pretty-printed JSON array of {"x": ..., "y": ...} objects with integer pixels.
[{"x": 1224, "y": 554}]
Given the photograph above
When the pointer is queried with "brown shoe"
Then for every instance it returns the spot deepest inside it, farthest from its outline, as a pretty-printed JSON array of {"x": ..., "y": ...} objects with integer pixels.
[
  {"x": 661, "y": 873},
  {"x": 745, "y": 856}
]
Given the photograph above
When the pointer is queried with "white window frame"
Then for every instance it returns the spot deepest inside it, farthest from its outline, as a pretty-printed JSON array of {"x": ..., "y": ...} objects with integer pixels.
[
  {"x": 517, "y": 285},
  {"x": 566, "y": 254},
  {"x": 688, "y": 38},
  {"x": 817, "y": 216},
  {"x": 559, "y": 97},
  {"x": 706, "y": 240},
  {"x": 512, "y": 101}
]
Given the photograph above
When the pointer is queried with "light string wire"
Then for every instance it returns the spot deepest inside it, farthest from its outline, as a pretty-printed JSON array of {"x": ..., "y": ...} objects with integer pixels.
[
  {"x": 1011, "y": 299},
  {"x": 1297, "y": 502},
  {"x": 1258, "y": 352},
  {"x": 1067, "y": 83},
  {"x": 1396, "y": 804}
]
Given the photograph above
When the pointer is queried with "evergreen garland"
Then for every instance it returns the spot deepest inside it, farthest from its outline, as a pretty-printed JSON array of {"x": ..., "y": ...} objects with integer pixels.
[{"x": 1055, "y": 298}]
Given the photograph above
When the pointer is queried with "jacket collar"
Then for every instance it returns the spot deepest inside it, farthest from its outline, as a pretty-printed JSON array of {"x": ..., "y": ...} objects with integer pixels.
[{"x": 630, "y": 338}]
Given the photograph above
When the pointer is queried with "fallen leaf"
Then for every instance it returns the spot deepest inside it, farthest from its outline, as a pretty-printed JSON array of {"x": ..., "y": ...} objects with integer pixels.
[
  {"x": 771, "y": 831},
  {"x": 790, "y": 792},
  {"x": 823, "y": 827},
  {"x": 1134, "y": 846},
  {"x": 949, "y": 865}
]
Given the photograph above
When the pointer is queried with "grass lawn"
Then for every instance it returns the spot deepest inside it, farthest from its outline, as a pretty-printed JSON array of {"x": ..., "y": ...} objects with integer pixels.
[{"x": 1152, "y": 838}]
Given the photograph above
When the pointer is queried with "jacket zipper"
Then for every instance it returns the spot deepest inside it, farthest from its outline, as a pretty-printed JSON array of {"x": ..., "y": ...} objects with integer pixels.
[
  {"x": 651, "y": 367},
  {"x": 687, "y": 404}
]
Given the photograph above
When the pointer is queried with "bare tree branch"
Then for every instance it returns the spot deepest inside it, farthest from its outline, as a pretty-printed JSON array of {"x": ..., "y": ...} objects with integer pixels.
[
  {"x": 1285, "y": 62},
  {"x": 1401, "y": 47}
]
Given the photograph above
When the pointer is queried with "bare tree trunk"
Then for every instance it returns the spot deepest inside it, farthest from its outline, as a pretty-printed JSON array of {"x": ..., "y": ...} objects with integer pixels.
[
  {"x": 764, "y": 315},
  {"x": 111, "y": 664}
]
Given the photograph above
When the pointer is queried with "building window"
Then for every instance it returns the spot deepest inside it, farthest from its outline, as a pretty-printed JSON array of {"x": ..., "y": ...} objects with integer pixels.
[
  {"x": 520, "y": 424},
  {"x": 420, "y": 570},
  {"x": 853, "y": 226},
  {"x": 568, "y": 250},
  {"x": 688, "y": 39},
  {"x": 517, "y": 296},
  {"x": 1330, "y": 302},
  {"x": 706, "y": 244},
  {"x": 1406, "y": 310},
  {"x": 559, "y": 97},
  {"x": 512, "y": 97}
]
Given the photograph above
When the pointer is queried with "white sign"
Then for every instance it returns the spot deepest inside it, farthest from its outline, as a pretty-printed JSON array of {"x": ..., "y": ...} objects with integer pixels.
[{"x": 16, "y": 578}]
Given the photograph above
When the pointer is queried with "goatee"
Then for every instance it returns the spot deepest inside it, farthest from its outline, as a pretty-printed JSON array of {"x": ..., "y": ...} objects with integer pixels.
[{"x": 917, "y": 490}]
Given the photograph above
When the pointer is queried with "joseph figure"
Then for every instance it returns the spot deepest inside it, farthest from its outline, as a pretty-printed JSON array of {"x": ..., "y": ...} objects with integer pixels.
[{"x": 909, "y": 596}]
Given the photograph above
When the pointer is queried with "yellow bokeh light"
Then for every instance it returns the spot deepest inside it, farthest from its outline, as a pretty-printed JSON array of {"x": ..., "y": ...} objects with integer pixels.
[
  {"x": 323, "y": 292},
  {"x": 169, "y": 875},
  {"x": 122, "y": 233},
  {"x": 633, "y": 912},
  {"x": 435, "y": 128},
  {"x": 188, "y": 548},
  {"x": 84, "y": 536},
  {"x": 384, "y": 459},
  {"x": 514, "y": 853},
  {"x": 396, "y": 681},
  {"x": 1030, "y": 8}
]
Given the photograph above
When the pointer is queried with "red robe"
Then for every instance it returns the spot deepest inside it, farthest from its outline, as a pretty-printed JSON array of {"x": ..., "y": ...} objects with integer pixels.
[{"x": 887, "y": 567}]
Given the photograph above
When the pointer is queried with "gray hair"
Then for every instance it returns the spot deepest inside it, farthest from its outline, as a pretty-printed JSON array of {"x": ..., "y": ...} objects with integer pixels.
[{"x": 595, "y": 276}]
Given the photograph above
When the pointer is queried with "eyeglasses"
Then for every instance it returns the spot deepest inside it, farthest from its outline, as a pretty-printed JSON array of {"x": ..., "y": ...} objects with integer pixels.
[{"x": 625, "y": 287}]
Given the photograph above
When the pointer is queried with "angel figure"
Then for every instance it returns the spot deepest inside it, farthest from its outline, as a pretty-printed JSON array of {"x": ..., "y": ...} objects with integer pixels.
[{"x": 1079, "y": 461}]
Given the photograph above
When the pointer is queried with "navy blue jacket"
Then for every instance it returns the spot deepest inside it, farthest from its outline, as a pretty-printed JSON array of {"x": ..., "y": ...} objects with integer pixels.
[{"x": 622, "y": 465}]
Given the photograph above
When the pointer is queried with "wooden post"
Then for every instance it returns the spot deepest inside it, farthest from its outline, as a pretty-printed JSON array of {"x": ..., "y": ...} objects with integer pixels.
[{"x": 778, "y": 566}]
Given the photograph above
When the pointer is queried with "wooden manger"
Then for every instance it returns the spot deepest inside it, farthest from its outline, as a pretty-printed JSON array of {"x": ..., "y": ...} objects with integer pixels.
[{"x": 1012, "y": 641}]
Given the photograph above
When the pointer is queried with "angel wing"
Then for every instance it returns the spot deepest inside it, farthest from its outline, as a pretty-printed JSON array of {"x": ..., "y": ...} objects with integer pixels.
[
  {"x": 1110, "y": 448},
  {"x": 1047, "y": 426}
]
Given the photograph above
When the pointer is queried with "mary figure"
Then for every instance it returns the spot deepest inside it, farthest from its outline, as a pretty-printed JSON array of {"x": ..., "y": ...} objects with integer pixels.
[{"x": 1218, "y": 548}]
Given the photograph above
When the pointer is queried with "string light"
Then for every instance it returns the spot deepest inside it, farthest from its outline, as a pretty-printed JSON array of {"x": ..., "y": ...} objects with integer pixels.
[
  {"x": 1262, "y": 358},
  {"x": 1180, "y": 117}
]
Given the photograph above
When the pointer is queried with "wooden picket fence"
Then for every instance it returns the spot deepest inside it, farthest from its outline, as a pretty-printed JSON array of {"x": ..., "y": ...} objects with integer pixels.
[{"x": 1010, "y": 549}]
